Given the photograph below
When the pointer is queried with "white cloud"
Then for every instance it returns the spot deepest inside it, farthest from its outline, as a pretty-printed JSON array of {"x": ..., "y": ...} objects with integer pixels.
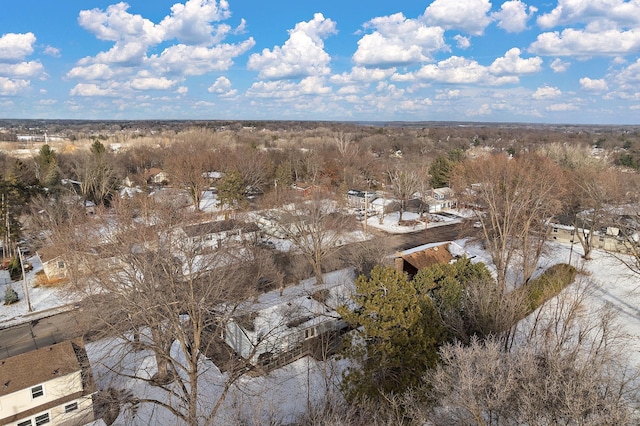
[
  {"x": 617, "y": 13},
  {"x": 512, "y": 63},
  {"x": 191, "y": 22},
  {"x": 546, "y": 92},
  {"x": 562, "y": 107},
  {"x": 362, "y": 74},
  {"x": 599, "y": 85},
  {"x": 220, "y": 86},
  {"x": 469, "y": 16},
  {"x": 282, "y": 89},
  {"x": 182, "y": 90},
  {"x": 52, "y": 51},
  {"x": 91, "y": 72},
  {"x": 558, "y": 65},
  {"x": 10, "y": 87},
  {"x": 92, "y": 89},
  {"x": 116, "y": 24},
  {"x": 301, "y": 55},
  {"x": 462, "y": 42},
  {"x": 461, "y": 70},
  {"x": 629, "y": 78},
  {"x": 572, "y": 42},
  {"x": 513, "y": 16},
  {"x": 397, "y": 40},
  {"x": 21, "y": 69},
  {"x": 447, "y": 94},
  {"x": 197, "y": 60},
  {"x": 16, "y": 47},
  {"x": 152, "y": 83}
]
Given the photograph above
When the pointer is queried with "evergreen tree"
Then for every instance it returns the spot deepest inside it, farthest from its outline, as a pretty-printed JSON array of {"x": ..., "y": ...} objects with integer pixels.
[
  {"x": 440, "y": 171},
  {"x": 396, "y": 335},
  {"x": 10, "y": 296},
  {"x": 231, "y": 190}
]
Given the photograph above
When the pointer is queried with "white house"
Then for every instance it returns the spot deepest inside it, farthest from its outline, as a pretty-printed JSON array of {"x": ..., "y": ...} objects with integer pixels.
[
  {"x": 283, "y": 325},
  {"x": 440, "y": 199},
  {"x": 52, "y": 385}
]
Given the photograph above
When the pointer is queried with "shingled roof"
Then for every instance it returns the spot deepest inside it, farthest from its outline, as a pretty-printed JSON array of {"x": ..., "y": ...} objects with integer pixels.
[{"x": 39, "y": 366}]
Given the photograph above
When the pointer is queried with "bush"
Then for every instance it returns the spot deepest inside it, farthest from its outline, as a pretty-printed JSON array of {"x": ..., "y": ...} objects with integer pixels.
[
  {"x": 548, "y": 285},
  {"x": 10, "y": 296},
  {"x": 15, "y": 269}
]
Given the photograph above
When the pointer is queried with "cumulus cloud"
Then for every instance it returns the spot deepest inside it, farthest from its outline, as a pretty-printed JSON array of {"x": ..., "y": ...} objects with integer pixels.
[
  {"x": 546, "y": 92},
  {"x": 558, "y": 65},
  {"x": 462, "y": 42},
  {"x": 396, "y": 40},
  {"x": 447, "y": 94},
  {"x": 52, "y": 51},
  {"x": 599, "y": 85},
  {"x": 512, "y": 63},
  {"x": 197, "y": 60},
  {"x": 195, "y": 25},
  {"x": 572, "y": 42},
  {"x": 152, "y": 83},
  {"x": 362, "y": 74},
  {"x": 91, "y": 89},
  {"x": 459, "y": 70},
  {"x": 16, "y": 47},
  {"x": 470, "y": 16},
  {"x": 629, "y": 78},
  {"x": 11, "y": 87},
  {"x": 301, "y": 55},
  {"x": 282, "y": 89},
  {"x": 22, "y": 69},
  {"x": 221, "y": 85},
  {"x": 191, "y": 22},
  {"x": 618, "y": 13},
  {"x": 91, "y": 72},
  {"x": 513, "y": 16}
]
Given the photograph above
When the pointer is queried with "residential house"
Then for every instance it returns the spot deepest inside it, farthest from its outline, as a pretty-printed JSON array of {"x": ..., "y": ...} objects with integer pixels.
[
  {"x": 424, "y": 256},
  {"x": 52, "y": 385},
  {"x": 608, "y": 238},
  {"x": 53, "y": 264},
  {"x": 215, "y": 233},
  {"x": 360, "y": 199},
  {"x": 284, "y": 325},
  {"x": 440, "y": 199},
  {"x": 156, "y": 176},
  {"x": 304, "y": 188}
]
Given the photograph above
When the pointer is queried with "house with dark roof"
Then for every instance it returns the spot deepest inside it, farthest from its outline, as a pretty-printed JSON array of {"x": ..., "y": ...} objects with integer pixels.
[
  {"x": 52, "y": 385},
  {"x": 414, "y": 259}
]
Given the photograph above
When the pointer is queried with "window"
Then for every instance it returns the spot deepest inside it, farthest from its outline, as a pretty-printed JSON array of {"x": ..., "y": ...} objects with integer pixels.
[
  {"x": 25, "y": 423},
  {"x": 37, "y": 391},
  {"x": 555, "y": 229},
  {"x": 60, "y": 264},
  {"x": 71, "y": 407},
  {"x": 42, "y": 419}
]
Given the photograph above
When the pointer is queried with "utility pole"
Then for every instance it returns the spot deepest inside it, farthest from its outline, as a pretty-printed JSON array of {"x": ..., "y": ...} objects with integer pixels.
[{"x": 24, "y": 280}]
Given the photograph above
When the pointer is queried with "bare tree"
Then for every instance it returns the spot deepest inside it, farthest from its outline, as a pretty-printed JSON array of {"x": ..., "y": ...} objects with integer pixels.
[
  {"x": 571, "y": 369},
  {"x": 188, "y": 165},
  {"x": 146, "y": 288},
  {"x": 513, "y": 200},
  {"x": 405, "y": 183},
  {"x": 315, "y": 227}
]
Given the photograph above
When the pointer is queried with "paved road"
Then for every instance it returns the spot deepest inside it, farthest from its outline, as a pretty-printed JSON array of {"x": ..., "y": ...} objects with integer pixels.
[
  {"x": 56, "y": 328},
  {"x": 39, "y": 333}
]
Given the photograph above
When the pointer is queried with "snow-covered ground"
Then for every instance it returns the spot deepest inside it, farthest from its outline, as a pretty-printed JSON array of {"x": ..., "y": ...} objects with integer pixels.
[{"x": 390, "y": 221}]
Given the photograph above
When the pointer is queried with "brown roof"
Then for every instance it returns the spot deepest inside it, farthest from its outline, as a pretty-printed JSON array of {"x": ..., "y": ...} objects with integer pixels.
[
  {"x": 429, "y": 256},
  {"x": 35, "y": 367}
]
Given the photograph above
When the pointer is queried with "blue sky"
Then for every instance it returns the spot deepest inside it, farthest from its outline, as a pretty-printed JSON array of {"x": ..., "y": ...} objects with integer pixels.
[{"x": 553, "y": 61}]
